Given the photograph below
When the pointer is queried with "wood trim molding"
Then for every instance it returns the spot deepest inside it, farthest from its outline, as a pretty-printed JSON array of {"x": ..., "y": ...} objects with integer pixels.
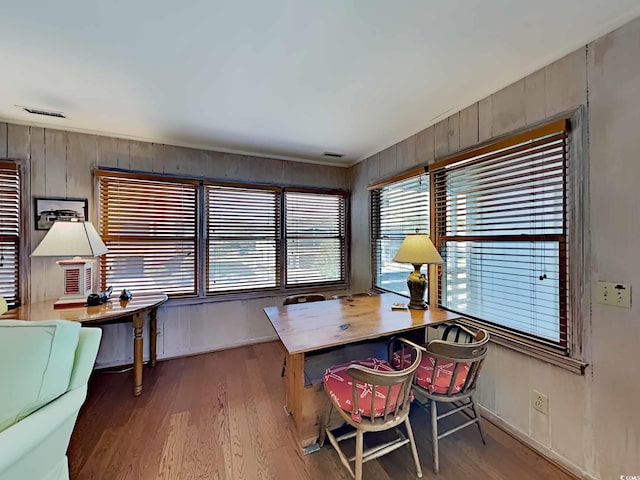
[
  {"x": 511, "y": 140},
  {"x": 568, "y": 363},
  {"x": 411, "y": 173}
]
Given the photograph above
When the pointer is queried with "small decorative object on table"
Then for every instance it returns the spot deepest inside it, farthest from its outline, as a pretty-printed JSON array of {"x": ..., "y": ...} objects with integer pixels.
[
  {"x": 98, "y": 299},
  {"x": 399, "y": 306},
  {"x": 126, "y": 294}
]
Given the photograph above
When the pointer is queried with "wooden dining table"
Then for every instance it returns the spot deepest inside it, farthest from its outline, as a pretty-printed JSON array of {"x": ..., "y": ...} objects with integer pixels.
[
  {"x": 314, "y": 332},
  {"x": 113, "y": 311}
]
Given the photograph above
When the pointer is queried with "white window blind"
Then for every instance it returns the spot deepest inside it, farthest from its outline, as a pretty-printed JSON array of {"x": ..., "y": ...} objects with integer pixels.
[
  {"x": 397, "y": 209},
  {"x": 9, "y": 232},
  {"x": 243, "y": 238},
  {"x": 149, "y": 226},
  {"x": 315, "y": 236},
  {"x": 500, "y": 219}
]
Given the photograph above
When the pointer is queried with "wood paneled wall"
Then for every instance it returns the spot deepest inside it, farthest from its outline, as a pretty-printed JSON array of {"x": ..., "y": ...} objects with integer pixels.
[
  {"x": 58, "y": 163},
  {"x": 593, "y": 427}
]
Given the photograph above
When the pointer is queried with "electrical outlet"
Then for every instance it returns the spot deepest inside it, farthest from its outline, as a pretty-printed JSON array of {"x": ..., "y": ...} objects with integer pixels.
[
  {"x": 616, "y": 294},
  {"x": 540, "y": 402},
  {"x": 159, "y": 331}
]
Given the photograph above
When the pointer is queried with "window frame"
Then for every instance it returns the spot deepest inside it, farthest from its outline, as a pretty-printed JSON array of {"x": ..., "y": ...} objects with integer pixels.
[
  {"x": 508, "y": 159},
  {"x": 571, "y": 357},
  {"x": 20, "y": 239},
  {"x": 206, "y": 273},
  {"x": 376, "y": 234},
  {"x": 578, "y": 247},
  {"x": 134, "y": 237},
  {"x": 343, "y": 237},
  {"x": 202, "y": 261}
]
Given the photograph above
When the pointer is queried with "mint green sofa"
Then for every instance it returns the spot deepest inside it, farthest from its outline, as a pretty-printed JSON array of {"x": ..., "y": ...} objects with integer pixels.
[{"x": 44, "y": 369}]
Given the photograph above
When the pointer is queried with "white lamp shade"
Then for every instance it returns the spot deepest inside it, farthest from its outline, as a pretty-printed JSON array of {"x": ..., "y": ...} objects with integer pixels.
[
  {"x": 417, "y": 249},
  {"x": 71, "y": 239}
]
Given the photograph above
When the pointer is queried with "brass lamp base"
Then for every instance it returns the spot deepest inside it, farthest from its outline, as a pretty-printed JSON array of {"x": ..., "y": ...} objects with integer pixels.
[
  {"x": 417, "y": 284},
  {"x": 418, "y": 306}
]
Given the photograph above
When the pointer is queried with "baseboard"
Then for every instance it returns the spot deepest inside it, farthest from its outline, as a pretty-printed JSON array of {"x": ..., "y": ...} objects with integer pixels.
[
  {"x": 128, "y": 362},
  {"x": 543, "y": 450},
  {"x": 227, "y": 346}
]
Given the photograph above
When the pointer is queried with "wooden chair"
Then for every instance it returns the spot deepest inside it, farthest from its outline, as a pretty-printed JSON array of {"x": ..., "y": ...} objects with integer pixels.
[
  {"x": 309, "y": 297},
  {"x": 454, "y": 332},
  {"x": 448, "y": 373},
  {"x": 371, "y": 396},
  {"x": 349, "y": 296},
  {"x": 292, "y": 300}
]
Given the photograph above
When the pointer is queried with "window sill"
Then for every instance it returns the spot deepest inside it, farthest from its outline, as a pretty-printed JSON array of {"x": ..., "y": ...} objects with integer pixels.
[
  {"x": 563, "y": 361},
  {"x": 239, "y": 296}
]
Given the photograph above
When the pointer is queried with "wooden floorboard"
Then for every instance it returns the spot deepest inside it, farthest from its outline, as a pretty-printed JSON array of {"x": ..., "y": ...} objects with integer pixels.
[{"x": 220, "y": 416}]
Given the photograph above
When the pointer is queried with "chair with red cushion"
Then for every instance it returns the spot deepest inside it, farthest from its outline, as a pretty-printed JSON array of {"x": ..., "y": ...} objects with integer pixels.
[
  {"x": 448, "y": 373},
  {"x": 371, "y": 396}
]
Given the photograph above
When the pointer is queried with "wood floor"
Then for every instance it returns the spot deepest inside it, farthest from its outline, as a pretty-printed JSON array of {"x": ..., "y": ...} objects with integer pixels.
[{"x": 220, "y": 416}]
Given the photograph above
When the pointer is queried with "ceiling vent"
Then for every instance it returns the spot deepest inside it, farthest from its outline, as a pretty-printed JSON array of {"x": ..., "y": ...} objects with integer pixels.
[
  {"x": 333, "y": 154},
  {"x": 46, "y": 113}
]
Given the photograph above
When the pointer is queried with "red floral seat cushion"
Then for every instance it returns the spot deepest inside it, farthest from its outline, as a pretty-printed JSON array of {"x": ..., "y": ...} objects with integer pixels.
[
  {"x": 338, "y": 384},
  {"x": 444, "y": 372}
]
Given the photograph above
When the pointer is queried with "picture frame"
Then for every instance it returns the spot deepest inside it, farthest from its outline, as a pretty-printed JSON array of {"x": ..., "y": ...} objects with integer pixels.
[{"x": 50, "y": 209}]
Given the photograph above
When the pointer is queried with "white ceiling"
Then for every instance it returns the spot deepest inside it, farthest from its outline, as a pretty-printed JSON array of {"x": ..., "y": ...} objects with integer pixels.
[{"x": 280, "y": 78}]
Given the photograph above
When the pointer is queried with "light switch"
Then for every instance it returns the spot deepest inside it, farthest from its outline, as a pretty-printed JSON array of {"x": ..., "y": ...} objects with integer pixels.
[{"x": 616, "y": 294}]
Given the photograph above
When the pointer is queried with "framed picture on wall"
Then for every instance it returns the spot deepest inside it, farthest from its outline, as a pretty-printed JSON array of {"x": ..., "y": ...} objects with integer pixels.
[{"x": 50, "y": 209}]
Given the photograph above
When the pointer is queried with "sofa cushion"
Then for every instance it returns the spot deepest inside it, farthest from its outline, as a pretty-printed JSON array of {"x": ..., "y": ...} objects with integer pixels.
[{"x": 36, "y": 361}]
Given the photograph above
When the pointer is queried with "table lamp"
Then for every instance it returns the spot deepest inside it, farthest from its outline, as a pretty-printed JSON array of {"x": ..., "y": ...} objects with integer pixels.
[
  {"x": 77, "y": 240},
  {"x": 417, "y": 249}
]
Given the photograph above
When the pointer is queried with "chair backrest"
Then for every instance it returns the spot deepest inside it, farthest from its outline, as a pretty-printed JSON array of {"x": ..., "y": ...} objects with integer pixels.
[
  {"x": 457, "y": 333},
  {"x": 310, "y": 297},
  {"x": 395, "y": 386},
  {"x": 3, "y": 305},
  {"x": 349, "y": 296},
  {"x": 458, "y": 357}
]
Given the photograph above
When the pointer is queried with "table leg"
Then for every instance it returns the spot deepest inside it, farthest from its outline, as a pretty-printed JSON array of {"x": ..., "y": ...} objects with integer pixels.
[
  {"x": 138, "y": 322},
  {"x": 304, "y": 403},
  {"x": 295, "y": 387},
  {"x": 153, "y": 335}
]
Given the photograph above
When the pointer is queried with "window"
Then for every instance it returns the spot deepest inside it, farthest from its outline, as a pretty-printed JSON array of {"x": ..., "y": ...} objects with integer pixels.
[
  {"x": 149, "y": 227},
  {"x": 315, "y": 237},
  {"x": 501, "y": 228},
  {"x": 243, "y": 238},
  {"x": 9, "y": 232},
  {"x": 397, "y": 209},
  {"x": 158, "y": 239}
]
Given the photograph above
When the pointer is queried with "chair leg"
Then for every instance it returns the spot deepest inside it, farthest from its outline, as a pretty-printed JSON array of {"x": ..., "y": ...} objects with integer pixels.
[
  {"x": 434, "y": 436},
  {"x": 475, "y": 412},
  {"x": 284, "y": 366},
  {"x": 359, "y": 449},
  {"x": 324, "y": 422},
  {"x": 414, "y": 450}
]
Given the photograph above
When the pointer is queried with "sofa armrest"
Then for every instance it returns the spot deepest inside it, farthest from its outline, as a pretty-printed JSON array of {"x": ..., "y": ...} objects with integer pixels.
[
  {"x": 37, "y": 443},
  {"x": 85, "y": 357}
]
